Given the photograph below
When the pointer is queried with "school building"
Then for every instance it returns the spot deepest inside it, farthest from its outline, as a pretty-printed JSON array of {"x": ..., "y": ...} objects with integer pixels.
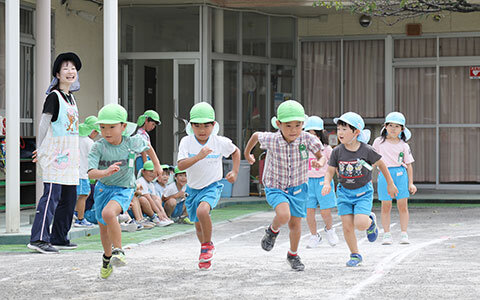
[{"x": 246, "y": 57}]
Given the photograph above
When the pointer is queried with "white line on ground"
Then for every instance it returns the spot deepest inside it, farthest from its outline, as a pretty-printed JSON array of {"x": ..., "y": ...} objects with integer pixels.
[
  {"x": 386, "y": 264},
  {"x": 238, "y": 235}
]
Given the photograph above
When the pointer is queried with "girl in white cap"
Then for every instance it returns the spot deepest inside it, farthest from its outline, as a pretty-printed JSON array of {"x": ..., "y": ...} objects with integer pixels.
[{"x": 398, "y": 157}]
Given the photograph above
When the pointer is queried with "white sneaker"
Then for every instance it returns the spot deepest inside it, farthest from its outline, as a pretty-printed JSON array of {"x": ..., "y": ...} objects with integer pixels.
[
  {"x": 332, "y": 236},
  {"x": 165, "y": 222},
  {"x": 314, "y": 241},
  {"x": 128, "y": 227},
  {"x": 387, "y": 238},
  {"x": 404, "y": 238},
  {"x": 123, "y": 218},
  {"x": 155, "y": 220}
]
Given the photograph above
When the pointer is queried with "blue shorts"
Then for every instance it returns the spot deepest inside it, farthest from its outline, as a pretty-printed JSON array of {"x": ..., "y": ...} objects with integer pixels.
[
  {"x": 315, "y": 197},
  {"x": 296, "y": 197},
  {"x": 177, "y": 212},
  {"x": 90, "y": 216},
  {"x": 400, "y": 178},
  {"x": 355, "y": 202},
  {"x": 210, "y": 194},
  {"x": 83, "y": 188},
  {"x": 106, "y": 193}
]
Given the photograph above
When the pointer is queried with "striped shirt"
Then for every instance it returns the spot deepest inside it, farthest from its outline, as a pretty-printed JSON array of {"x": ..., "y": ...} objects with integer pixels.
[{"x": 285, "y": 166}]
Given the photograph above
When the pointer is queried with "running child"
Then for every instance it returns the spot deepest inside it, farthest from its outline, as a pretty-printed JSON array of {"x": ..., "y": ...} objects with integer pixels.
[
  {"x": 398, "y": 158},
  {"x": 112, "y": 162},
  {"x": 200, "y": 154},
  {"x": 285, "y": 174},
  {"x": 314, "y": 126},
  {"x": 354, "y": 160}
]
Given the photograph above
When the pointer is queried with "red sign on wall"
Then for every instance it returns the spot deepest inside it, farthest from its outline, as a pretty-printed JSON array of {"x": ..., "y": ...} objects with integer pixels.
[{"x": 474, "y": 72}]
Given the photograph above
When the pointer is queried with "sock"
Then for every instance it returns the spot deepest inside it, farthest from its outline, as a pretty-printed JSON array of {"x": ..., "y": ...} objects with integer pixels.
[
  {"x": 106, "y": 260},
  {"x": 274, "y": 231},
  {"x": 292, "y": 253}
]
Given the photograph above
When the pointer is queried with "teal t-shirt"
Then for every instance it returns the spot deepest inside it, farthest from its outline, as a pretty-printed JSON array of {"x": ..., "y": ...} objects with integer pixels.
[{"x": 103, "y": 154}]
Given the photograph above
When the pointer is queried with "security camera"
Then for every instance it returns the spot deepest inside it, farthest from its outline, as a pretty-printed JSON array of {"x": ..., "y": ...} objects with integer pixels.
[{"x": 365, "y": 20}]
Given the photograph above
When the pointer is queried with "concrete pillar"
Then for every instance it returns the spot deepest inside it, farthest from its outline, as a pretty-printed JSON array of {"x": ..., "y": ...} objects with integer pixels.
[
  {"x": 12, "y": 92},
  {"x": 42, "y": 69},
  {"x": 218, "y": 66},
  {"x": 110, "y": 51}
]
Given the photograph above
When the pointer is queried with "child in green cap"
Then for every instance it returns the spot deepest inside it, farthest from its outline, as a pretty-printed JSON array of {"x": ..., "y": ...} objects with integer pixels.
[
  {"x": 111, "y": 162},
  {"x": 286, "y": 174},
  {"x": 146, "y": 123},
  {"x": 200, "y": 154},
  {"x": 87, "y": 131},
  {"x": 174, "y": 198}
]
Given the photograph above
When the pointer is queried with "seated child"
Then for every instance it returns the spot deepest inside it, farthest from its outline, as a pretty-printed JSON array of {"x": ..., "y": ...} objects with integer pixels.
[
  {"x": 162, "y": 181},
  {"x": 174, "y": 198}
]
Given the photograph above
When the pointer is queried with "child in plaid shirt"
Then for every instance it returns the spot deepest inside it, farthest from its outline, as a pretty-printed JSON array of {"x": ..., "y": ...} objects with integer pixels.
[{"x": 285, "y": 174}]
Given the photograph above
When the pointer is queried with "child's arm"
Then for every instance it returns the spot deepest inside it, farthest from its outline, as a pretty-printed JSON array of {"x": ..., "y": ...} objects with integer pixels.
[
  {"x": 156, "y": 162},
  {"x": 391, "y": 188},
  {"x": 411, "y": 187},
  {"x": 320, "y": 162},
  {"x": 327, "y": 179},
  {"x": 97, "y": 174},
  {"x": 188, "y": 162},
  {"x": 232, "y": 175},
  {"x": 251, "y": 143}
]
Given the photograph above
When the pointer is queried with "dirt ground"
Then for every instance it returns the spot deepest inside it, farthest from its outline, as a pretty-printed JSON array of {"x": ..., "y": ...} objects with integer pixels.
[{"x": 440, "y": 263}]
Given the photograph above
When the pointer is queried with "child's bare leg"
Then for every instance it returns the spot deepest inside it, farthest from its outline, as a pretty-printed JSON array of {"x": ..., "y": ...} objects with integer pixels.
[
  {"x": 349, "y": 233},
  {"x": 136, "y": 209},
  {"x": 106, "y": 242},
  {"x": 198, "y": 231},
  {"x": 80, "y": 206},
  {"x": 282, "y": 216},
  {"x": 295, "y": 226},
  {"x": 386, "y": 209},
  {"x": 170, "y": 206},
  {"x": 362, "y": 222},
  {"x": 327, "y": 217},
  {"x": 146, "y": 207},
  {"x": 402, "y": 205},
  {"x": 312, "y": 223},
  {"x": 203, "y": 215},
  {"x": 109, "y": 215},
  {"x": 157, "y": 209}
]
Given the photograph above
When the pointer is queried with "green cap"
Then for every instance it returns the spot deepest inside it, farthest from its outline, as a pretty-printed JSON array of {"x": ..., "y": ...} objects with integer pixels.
[
  {"x": 112, "y": 114},
  {"x": 149, "y": 114},
  {"x": 202, "y": 113},
  {"x": 290, "y": 110},
  {"x": 178, "y": 171},
  {"x": 86, "y": 127},
  {"x": 148, "y": 166},
  {"x": 165, "y": 167}
]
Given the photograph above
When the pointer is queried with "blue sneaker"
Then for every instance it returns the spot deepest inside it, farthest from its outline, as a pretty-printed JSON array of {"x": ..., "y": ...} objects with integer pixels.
[
  {"x": 355, "y": 260},
  {"x": 372, "y": 231}
]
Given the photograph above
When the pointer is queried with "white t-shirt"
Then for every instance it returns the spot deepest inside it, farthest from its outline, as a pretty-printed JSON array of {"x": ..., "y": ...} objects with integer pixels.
[
  {"x": 210, "y": 169},
  {"x": 172, "y": 189},
  {"x": 147, "y": 187},
  {"x": 85, "y": 144}
]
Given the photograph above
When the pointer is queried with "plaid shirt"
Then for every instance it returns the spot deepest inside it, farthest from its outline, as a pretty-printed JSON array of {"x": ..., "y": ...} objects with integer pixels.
[{"x": 284, "y": 166}]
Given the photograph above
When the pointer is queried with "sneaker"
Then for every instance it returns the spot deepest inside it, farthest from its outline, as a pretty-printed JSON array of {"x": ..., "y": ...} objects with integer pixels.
[
  {"x": 404, "y": 238},
  {"x": 42, "y": 247},
  {"x": 82, "y": 223},
  {"x": 75, "y": 215},
  {"x": 206, "y": 252},
  {"x": 128, "y": 227},
  {"x": 123, "y": 218},
  {"x": 387, "y": 238},
  {"x": 146, "y": 224},
  {"x": 314, "y": 242},
  {"x": 295, "y": 262},
  {"x": 118, "y": 258},
  {"x": 186, "y": 220},
  {"x": 355, "y": 260},
  {"x": 164, "y": 222},
  {"x": 154, "y": 219},
  {"x": 205, "y": 266},
  {"x": 372, "y": 231},
  {"x": 106, "y": 269},
  {"x": 69, "y": 246},
  {"x": 268, "y": 240},
  {"x": 332, "y": 236}
]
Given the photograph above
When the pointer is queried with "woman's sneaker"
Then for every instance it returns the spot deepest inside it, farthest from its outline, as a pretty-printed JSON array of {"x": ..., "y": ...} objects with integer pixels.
[
  {"x": 387, "y": 238},
  {"x": 42, "y": 247},
  {"x": 268, "y": 240},
  {"x": 355, "y": 260},
  {"x": 295, "y": 262},
  {"x": 404, "y": 238},
  {"x": 314, "y": 241},
  {"x": 82, "y": 223},
  {"x": 372, "y": 231},
  {"x": 118, "y": 258},
  {"x": 332, "y": 236}
]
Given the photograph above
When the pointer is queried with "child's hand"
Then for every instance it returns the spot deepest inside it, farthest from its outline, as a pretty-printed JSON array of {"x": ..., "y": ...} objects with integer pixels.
[
  {"x": 392, "y": 190},
  {"x": 250, "y": 158},
  {"x": 326, "y": 189},
  {"x": 158, "y": 171},
  {"x": 204, "y": 152},
  {"x": 322, "y": 161},
  {"x": 412, "y": 188},
  {"x": 231, "y": 176},
  {"x": 114, "y": 168},
  {"x": 317, "y": 164}
]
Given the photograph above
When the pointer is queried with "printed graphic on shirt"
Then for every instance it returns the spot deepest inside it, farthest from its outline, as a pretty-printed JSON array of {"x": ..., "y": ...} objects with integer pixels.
[{"x": 350, "y": 170}]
